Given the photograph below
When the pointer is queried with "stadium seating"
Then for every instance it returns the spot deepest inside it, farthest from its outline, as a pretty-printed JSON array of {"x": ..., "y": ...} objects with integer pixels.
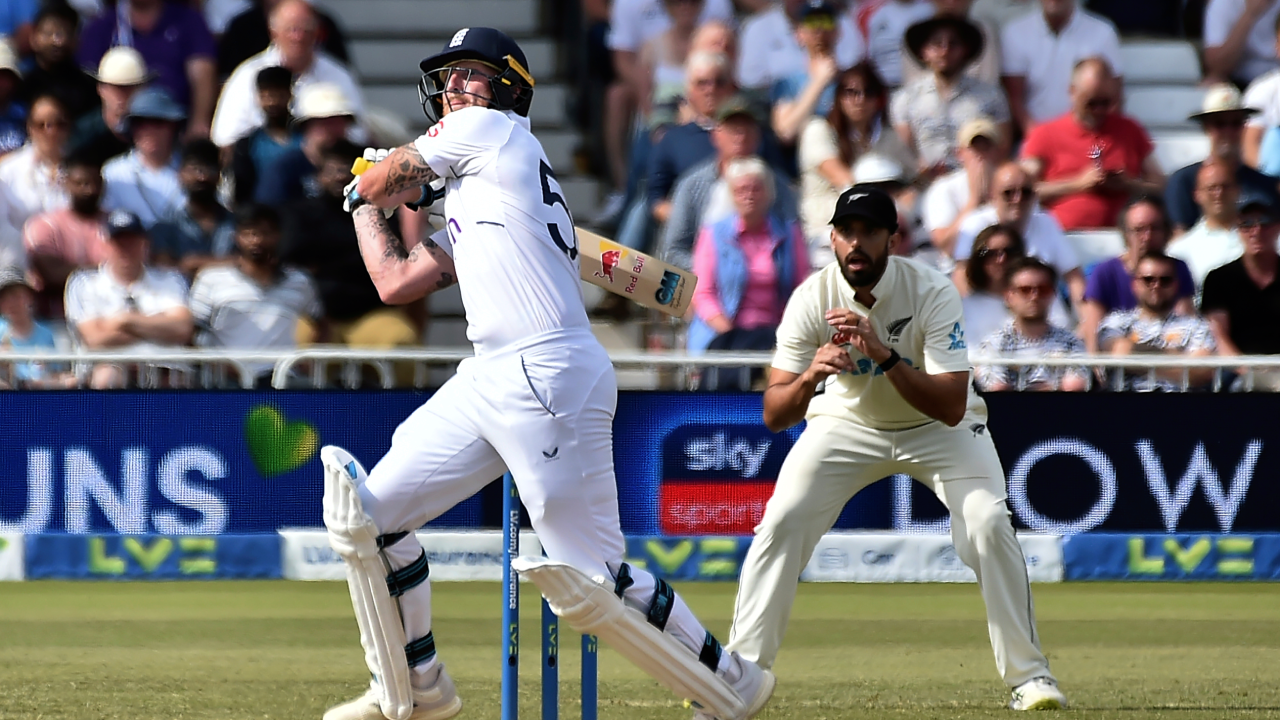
[
  {"x": 1177, "y": 150},
  {"x": 1094, "y": 246}
]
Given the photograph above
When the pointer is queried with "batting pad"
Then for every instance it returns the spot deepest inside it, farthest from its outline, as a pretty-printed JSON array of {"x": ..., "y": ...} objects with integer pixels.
[
  {"x": 590, "y": 607},
  {"x": 354, "y": 536}
]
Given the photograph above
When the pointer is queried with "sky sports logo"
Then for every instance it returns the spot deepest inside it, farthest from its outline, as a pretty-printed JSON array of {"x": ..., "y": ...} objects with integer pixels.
[{"x": 718, "y": 478}]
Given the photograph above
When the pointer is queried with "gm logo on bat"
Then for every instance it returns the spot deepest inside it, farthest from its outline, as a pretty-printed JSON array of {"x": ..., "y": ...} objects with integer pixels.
[{"x": 666, "y": 291}]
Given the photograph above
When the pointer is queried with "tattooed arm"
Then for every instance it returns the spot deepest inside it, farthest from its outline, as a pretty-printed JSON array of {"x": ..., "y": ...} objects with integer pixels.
[
  {"x": 402, "y": 275},
  {"x": 396, "y": 180}
]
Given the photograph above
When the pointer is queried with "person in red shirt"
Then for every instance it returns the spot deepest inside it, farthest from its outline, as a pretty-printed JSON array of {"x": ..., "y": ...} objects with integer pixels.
[{"x": 1090, "y": 161}]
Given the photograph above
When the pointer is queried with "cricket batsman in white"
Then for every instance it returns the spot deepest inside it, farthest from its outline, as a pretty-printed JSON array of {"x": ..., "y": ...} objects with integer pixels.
[
  {"x": 537, "y": 399},
  {"x": 884, "y": 338}
]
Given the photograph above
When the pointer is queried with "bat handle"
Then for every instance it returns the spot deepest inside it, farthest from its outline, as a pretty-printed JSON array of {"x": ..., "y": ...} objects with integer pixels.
[{"x": 360, "y": 165}]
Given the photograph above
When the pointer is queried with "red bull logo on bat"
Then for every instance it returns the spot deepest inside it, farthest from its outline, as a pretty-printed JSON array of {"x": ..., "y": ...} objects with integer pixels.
[{"x": 609, "y": 259}]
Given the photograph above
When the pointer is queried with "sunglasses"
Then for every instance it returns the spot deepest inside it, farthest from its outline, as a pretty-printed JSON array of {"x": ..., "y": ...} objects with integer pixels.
[
  {"x": 50, "y": 125},
  {"x": 1230, "y": 123},
  {"x": 993, "y": 254},
  {"x": 1099, "y": 103},
  {"x": 1029, "y": 290},
  {"x": 1018, "y": 193},
  {"x": 819, "y": 22},
  {"x": 1161, "y": 280},
  {"x": 854, "y": 92}
]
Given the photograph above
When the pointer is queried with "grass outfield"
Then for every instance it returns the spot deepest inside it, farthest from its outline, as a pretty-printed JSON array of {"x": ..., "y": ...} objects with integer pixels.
[{"x": 253, "y": 650}]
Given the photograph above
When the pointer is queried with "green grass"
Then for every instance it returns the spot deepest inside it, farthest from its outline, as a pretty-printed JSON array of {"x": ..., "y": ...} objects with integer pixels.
[{"x": 253, "y": 650}]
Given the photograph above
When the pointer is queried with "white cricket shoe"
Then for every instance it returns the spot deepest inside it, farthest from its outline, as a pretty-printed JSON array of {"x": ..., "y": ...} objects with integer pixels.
[
  {"x": 438, "y": 702},
  {"x": 756, "y": 686},
  {"x": 1040, "y": 693}
]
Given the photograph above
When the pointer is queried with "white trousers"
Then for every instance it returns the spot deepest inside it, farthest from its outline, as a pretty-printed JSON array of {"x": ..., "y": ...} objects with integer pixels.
[
  {"x": 831, "y": 461},
  {"x": 545, "y": 413}
]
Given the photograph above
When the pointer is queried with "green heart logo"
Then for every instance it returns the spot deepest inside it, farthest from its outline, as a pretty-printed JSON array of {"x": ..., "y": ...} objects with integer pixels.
[
  {"x": 3, "y": 544},
  {"x": 275, "y": 445}
]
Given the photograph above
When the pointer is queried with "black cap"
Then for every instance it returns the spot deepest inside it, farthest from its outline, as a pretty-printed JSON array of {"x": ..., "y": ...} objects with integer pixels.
[
  {"x": 918, "y": 34},
  {"x": 869, "y": 204},
  {"x": 817, "y": 8},
  {"x": 123, "y": 222},
  {"x": 1260, "y": 205}
]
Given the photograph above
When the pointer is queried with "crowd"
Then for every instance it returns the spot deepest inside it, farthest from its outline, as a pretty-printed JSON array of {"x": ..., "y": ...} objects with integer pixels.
[
  {"x": 171, "y": 174},
  {"x": 998, "y": 128}
]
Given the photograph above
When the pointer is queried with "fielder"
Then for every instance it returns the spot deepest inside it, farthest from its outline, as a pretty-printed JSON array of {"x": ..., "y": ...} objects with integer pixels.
[
  {"x": 537, "y": 399},
  {"x": 884, "y": 337}
]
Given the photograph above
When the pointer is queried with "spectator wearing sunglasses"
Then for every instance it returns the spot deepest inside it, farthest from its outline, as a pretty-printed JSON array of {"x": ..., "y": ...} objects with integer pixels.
[
  {"x": 1153, "y": 328},
  {"x": 1091, "y": 160},
  {"x": 1242, "y": 298},
  {"x": 994, "y": 251},
  {"x": 1222, "y": 116},
  {"x": 1213, "y": 241},
  {"x": 1145, "y": 227},
  {"x": 1030, "y": 289},
  {"x": 1013, "y": 202}
]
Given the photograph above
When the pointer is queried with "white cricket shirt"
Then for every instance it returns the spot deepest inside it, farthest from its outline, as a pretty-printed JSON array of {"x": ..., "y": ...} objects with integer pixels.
[
  {"x": 510, "y": 229},
  {"x": 917, "y": 312}
]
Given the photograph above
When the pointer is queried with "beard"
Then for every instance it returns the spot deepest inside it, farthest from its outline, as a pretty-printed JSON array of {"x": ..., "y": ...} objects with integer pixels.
[
  {"x": 867, "y": 276},
  {"x": 86, "y": 206},
  {"x": 203, "y": 195}
]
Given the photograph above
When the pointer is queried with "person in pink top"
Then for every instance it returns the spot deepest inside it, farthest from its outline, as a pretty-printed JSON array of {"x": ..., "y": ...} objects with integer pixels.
[
  {"x": 74, "y": 238},
  {"x": 747, "y": 265}
]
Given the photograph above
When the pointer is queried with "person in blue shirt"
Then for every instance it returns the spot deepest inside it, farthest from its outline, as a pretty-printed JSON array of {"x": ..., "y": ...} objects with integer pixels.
[
  {"x": 325, "y": 114},
  {"x": 260, "y": 149},
  {"x": 798, "y": 97},
  {"x": 21, "y": 332}
]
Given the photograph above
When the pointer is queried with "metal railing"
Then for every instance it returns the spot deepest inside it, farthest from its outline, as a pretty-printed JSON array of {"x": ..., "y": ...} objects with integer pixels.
[{"x": 313, "y": 367}]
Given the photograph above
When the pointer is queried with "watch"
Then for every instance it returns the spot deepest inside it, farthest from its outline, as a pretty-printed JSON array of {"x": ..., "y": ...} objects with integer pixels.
[{"x": 890, "y": 361}]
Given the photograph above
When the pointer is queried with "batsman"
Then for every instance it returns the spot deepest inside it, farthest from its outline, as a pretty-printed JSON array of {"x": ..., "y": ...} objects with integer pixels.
[
  {"x": 871, "y": 350},
  {"x": 537, "y": 399}
]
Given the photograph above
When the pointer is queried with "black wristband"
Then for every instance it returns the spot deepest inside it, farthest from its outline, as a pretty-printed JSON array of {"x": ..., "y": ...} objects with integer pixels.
[{"x": 889, "y": 362}]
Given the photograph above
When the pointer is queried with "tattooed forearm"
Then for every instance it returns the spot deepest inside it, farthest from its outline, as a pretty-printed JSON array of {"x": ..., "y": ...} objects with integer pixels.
[
  {"x": 408, "y": 170},
  {"x": 372, "y": 228},
  {"x": 401, "y": 275}
]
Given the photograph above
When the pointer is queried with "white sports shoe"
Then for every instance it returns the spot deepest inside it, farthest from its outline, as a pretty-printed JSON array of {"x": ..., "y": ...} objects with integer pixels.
[
  {"x": 756, "y": 686},
  {"x": 1040, "y": 693},
  {"x": 438, "y": 702}
]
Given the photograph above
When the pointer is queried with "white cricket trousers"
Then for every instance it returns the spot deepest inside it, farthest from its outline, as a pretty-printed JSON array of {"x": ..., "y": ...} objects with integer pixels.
[
  {"x": 543, "y": 410},
  {"x": 832, "y": 460}
]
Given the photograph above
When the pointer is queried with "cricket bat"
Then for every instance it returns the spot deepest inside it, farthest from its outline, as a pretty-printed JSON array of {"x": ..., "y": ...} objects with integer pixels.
[{"x": 641, "y": 278}]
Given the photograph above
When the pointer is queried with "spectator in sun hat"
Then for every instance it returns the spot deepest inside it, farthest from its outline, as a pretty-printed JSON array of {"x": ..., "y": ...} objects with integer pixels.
[
  {"x": 103, "y": 134},
  {"x": 1222, "y": 117},
  {"x": 980, "y": 147},
  {"x": 145, "y": 181},
  {"x": 928, "y": 112}
]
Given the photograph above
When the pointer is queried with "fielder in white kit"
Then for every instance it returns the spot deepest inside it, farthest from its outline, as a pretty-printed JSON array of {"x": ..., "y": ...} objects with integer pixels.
[
  {"x": 537, "y": 399},
  {"x": 884, "y": 337}
]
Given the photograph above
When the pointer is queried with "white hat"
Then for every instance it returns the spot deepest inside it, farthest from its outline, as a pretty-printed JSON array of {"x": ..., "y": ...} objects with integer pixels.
[
  {"x": 322, "y": 100},
  {"x": 875, "y": 168},
  {"x": 8, "y": 58},
  {"x": 122, "y": 66},
  {"x": 1222, "y": 98}
]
